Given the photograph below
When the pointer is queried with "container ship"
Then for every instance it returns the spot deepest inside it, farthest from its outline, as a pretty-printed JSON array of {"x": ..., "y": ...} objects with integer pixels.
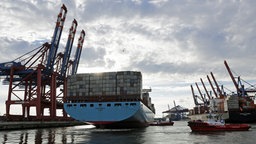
[{"x": 109, "y": 99}]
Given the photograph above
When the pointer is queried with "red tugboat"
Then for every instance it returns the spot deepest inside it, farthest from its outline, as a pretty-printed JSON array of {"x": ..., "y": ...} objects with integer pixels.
[{"x": 216, "y": 125}]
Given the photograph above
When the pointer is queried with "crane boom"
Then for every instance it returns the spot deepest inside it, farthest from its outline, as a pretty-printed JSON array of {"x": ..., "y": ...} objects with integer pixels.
[
  {"x": 217, "y": 86},
  {"x": 232, "y": 77},
  {"x": 203, "y": 99},
  {"x": 68, "y": 48},
  {"x": 194, "y": 97},
  {"x": 205, "y": 88},
  {"x": 78, "y": 52},
  {"x": 215, "y": 93},
  {"x": 56, "y": 38}
]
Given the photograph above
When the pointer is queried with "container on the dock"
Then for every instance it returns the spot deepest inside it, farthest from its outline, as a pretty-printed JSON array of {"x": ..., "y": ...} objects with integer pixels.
[{"x": 217, "y": 105}]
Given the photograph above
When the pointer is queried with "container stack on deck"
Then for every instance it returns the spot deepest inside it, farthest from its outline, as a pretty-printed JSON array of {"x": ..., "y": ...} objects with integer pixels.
[
  {"x": 105, "y": 84},
  {"x": 233, "y": 102}
]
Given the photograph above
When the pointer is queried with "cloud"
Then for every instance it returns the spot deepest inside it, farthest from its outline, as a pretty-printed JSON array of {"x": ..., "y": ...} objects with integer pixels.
[
  {"x": 169, "y": 41},
  {"x": 93, "y": 57},
  {"x": 12, "y": 48}
]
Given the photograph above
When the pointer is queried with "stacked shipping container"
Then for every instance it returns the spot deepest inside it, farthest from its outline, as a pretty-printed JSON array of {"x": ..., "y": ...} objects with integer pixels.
[
  {"x": 105, "y": 84},
  {"x": 108, "y": 86},
  {"x": 233, "y": 102}
]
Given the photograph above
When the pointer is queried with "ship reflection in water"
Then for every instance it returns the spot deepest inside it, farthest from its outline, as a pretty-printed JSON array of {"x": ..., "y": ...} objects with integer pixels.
[
  {"x": 39, "y": 136},
  {"x": 78, "y": 134}
]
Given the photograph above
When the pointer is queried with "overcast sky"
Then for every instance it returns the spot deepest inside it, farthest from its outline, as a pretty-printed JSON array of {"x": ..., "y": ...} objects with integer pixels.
[{"x": 173, "y": 43}]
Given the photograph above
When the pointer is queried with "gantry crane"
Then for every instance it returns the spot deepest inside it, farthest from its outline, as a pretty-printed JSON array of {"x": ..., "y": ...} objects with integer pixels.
[
  {"x": 208, "y": 95},
  {"x": 199, "y": 107},
  {"x": 214, "y": 91},
  {"x": 195, "y": 97},
  {"x": 56, "y": 39},
  {"x": 68, "y": 49},
  {"x": 221, "y": 95},
  {"x": 201, "y": 95},
  {"x": 77, "y": 54},
  {"x": 240, "y": 90},
  {"x": 37, "y": 78}
]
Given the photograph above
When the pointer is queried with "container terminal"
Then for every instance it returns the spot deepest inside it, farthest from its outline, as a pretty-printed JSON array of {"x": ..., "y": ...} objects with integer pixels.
[
  {"x": 38, "y": 80},
  {"x": 234, "y": 107}
]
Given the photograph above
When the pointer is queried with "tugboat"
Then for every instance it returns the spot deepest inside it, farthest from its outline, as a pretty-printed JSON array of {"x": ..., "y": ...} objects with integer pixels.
[{"x": 215, "y": 125}]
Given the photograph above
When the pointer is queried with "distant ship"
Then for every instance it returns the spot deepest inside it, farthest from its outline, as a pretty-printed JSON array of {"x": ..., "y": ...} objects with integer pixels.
[
  {"x": 162, "y": 122},
  {"x": 109, "y": 100}
]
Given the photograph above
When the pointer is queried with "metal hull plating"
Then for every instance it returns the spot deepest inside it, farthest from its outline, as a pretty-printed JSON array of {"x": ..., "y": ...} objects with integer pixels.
[
  {"x": 242, "y": 117},
  {"x": 128, "y": 114}
]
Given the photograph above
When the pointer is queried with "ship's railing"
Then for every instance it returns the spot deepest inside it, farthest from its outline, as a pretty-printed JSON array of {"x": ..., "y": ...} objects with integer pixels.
[{"x": 117, "y": 98}]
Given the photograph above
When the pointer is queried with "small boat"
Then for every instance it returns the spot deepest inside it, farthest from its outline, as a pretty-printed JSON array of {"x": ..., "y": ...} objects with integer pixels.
[
  {"x": 162, "y": 122},
  {"x": 216, "y": 125}
]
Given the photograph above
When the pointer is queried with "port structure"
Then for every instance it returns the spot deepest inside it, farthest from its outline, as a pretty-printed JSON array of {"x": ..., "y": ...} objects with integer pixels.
[
  {"x": 240, "y": 88},
  {"x": 204, "y": 106},
  {"x": 245, "y": 94},
  {"x": 39, "y": 78}
]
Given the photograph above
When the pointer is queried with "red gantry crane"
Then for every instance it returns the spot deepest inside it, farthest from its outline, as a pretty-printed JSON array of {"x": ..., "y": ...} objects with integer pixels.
[
  {"x": 208, "y": 95},
  {"x": 213, "y": 89},
  {"x": 199, "y": 107},
  {"x": 195, "y": 97},
  {"x": 201, "y": 95},
  {"x": 217, "y": 86},
  {"x": 37, "y": 78},
  {"x": 240, "y": 91}
]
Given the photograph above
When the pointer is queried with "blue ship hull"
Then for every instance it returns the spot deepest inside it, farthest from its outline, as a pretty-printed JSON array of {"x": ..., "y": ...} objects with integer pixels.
[{"x": 126, "y": 114}]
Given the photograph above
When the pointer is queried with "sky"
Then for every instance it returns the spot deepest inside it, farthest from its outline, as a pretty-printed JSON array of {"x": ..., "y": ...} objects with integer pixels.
[{"x": 173, "y": 43}]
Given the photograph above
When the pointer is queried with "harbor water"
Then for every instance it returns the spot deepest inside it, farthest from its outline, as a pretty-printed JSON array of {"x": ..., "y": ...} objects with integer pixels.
[{"x": 179, "y": 133}]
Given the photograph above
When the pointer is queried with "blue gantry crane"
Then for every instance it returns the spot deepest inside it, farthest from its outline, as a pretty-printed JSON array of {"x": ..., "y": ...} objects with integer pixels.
[
  {"x": 68, "y": 49},
  {"x": 56, "y": 39},
  {"x": 35, "y": 80},
  {"x": 75, "y": 63}
]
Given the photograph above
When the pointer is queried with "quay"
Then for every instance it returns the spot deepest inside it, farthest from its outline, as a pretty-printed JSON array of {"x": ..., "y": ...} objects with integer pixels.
[{"x": 36, "y": 124}]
